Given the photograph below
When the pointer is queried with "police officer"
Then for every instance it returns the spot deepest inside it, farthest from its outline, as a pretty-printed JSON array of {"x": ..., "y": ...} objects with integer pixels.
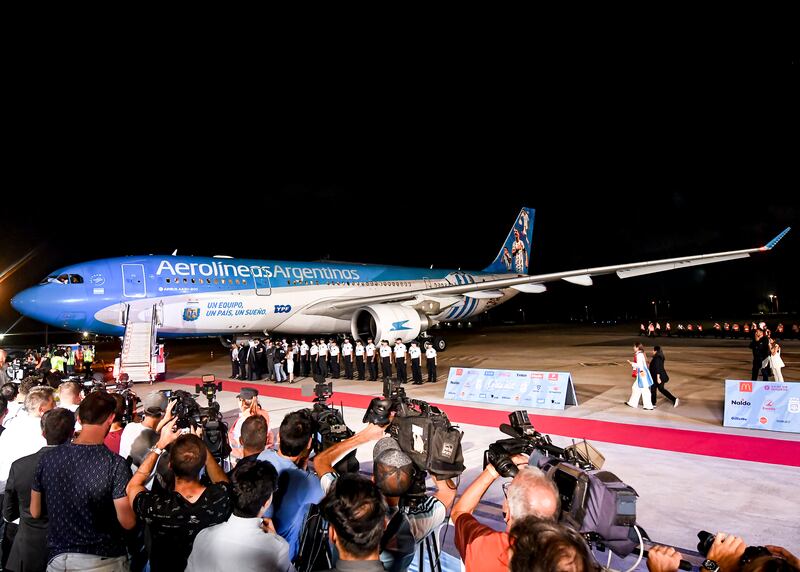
[
  {"x": 313, "y": 352},
  {"x": 303, "y": 358},
  {"x": 372, "y": 360},
  {"x": 416, "y": 360},
  {"x": 70, "y": 361},
  {"x": 386, "y": 358},
  {"x": 400, "y": 360},
  {"x": 88, "y": 359},
  {"x": 322, "y": 360},
  {"x": 334, "y": 351},
  {"x": 360, "y": 360},
  {"x": 347, "y": 358},
  {"x": 430, "y": 358}
]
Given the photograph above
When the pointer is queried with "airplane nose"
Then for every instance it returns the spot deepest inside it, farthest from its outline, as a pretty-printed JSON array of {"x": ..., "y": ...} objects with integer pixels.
[{"x": 24, "y": 301}]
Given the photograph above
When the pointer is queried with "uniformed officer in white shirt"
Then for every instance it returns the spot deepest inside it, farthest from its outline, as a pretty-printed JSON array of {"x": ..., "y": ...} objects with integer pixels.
[
  {"x": 372, "y": 360},
  {"x": 323, "y": 358},
  {"x": 430, "y": 358},
  {"x": 303, "y": 358},
  {"x": 347, "y": 358},
  {"x": 360, "y": 360},
  {"x": 334, "y": 350},
  {"x": 416, "y": 363},
  {"x": 386, "y": 358},
  {"x": 400, "y": 360},
  {"x": 313, "y": 352}
]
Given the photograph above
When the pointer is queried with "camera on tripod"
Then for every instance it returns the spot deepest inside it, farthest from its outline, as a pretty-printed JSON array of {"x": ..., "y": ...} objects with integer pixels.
[{"x": 328, "y": 425}]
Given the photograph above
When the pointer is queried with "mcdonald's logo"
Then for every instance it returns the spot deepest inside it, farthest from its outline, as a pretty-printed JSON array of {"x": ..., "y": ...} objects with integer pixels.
[{"x": 746, "y": 386}]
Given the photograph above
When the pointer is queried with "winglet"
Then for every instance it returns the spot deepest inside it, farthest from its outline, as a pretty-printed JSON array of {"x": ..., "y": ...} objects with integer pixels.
[{"x": 771, "y": 244}]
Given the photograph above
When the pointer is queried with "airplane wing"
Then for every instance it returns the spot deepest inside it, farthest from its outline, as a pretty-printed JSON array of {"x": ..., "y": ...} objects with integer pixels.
[{"x": 339, "y": 307}]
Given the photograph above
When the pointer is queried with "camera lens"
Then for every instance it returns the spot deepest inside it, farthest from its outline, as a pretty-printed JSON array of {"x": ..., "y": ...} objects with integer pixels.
[{"x": 706, "y": 540}]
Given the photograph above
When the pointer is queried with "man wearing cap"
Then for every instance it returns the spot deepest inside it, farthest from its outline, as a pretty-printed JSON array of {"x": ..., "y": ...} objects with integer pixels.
[
  {"x": 248, "y": 405},
  {"x": 372, "y": 360},
  {"x": 347, "y": 358},
  {"x": 360, "y": 366},
  {"x": 137, "y": 438},
  {"x": 393, "y": 472}
]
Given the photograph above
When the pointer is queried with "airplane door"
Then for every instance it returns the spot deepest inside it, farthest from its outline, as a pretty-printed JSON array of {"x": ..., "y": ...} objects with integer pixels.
[
  {"x": 428, "y": 282},
  {"x": 263, "y": 285},
  {"x": 133, "y": 285}
]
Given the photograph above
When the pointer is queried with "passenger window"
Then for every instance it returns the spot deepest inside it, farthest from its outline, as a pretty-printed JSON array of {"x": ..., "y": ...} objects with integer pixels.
[
  {"x": 167, "y": 280},
  {"x": 216, "y": 281},
  {"x": 192, "y": 280}
]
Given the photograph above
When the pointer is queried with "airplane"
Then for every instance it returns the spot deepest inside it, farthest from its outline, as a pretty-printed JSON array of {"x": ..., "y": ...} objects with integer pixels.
[{"x": 226, "y": 297}]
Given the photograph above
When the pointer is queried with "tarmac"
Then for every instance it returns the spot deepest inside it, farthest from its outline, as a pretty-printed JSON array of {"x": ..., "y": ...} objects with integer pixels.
[{"x": 680, "y": 493}]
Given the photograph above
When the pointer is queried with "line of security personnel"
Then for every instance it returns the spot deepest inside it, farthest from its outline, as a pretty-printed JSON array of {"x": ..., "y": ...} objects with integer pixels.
[{"x": 328, "y": 359}]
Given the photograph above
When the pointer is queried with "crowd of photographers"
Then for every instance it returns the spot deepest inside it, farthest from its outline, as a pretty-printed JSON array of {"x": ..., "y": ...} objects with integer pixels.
[{"x": 159, "y": 494}]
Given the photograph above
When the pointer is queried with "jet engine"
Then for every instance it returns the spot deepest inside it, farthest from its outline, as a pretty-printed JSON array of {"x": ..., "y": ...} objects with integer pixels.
[{"x": 388, "y": 322}]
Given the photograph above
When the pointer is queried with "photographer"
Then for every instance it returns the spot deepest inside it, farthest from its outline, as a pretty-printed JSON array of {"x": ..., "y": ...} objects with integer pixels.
[
  {"x": 137, "y": 438},
  {"x": 248, "y": 406},
  {"x": 393, "y": 474},
  {"x": 298, "y": 489},
  {"x": 530, "y": 493},
  {"x": 175, "y": 517},
  {"x": 537, "y": 545}
]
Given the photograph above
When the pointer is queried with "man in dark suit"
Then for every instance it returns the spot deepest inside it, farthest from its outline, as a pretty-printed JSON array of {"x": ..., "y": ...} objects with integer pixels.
[{"x": 29, "y": 551}]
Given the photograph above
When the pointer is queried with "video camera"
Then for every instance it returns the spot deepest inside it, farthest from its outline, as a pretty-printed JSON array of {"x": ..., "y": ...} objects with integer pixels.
[
  {"x": 422, "y": 430},
  {"x": 328, "y": 425},
  {"x": 191, "y": 415},
  {"x": 595, "y": 503}
]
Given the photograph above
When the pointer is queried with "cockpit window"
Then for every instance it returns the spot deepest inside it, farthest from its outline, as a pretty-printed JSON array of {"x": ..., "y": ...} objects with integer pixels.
[{"x": 63, "y": 279}]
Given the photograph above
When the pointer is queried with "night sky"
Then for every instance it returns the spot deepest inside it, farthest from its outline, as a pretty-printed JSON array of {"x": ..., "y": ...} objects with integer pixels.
[{"x": 684, "y": 159}]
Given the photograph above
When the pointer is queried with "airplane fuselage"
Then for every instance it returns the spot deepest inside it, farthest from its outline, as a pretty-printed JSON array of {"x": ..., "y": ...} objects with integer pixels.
[{"x": 202, "y": 297}]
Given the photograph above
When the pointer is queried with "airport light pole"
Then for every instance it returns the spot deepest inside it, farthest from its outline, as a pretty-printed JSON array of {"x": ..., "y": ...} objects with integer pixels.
[
  {"x": 773, "y": 301},
  {"x": 655, "y": 308}
]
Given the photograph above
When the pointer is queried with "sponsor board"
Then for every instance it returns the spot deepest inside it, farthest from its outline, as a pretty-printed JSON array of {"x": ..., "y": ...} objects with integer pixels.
[
  {"x": 768, "y": 405},
  {"x": 534, "y": 389}
]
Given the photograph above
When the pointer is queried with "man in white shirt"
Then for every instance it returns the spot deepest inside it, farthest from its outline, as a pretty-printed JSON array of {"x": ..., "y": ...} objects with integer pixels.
[
  {"x": 360, "y": 360},
  {"x": 334, "y": 349},
  {"x": 416, "y": 360},
  {"x": 24, "y": 436},
  {"x": 347, "y": 358},
  {"x": 313, "y": 352},
  {"x": 137, "y": 438},
  {"x": 400, "y": 360},
  {"x": 69, "y": 395},
  {"x": 430, "y": 358},
  {"x": 372, "y": 360},
  {"x": 244, "y": 543},
  {"x": 386, "y": 358},
  {"x": 322, "y": 360}
]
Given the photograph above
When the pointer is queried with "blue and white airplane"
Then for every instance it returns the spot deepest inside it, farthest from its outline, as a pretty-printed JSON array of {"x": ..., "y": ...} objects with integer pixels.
[{"x": 222, "y": 296}]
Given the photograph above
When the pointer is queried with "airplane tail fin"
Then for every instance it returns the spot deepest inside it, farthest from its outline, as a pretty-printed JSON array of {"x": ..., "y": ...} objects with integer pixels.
[{"x": 515, "y": 254}]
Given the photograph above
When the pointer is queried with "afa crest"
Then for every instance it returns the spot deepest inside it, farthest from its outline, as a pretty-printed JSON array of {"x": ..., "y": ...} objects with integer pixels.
[{"x": 191, "y": 313}]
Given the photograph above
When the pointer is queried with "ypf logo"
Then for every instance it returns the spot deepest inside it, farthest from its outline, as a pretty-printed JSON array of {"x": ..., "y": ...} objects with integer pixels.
[
  {"x": 746, "y": 386},
  {"x": 282, "y": 308}
]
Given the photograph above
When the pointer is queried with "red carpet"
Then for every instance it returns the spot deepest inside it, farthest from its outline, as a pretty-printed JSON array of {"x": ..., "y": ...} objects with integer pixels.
[{"x": 758, "y": 449}]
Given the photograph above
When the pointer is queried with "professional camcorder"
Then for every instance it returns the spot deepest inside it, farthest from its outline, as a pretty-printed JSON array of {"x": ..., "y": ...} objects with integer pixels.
[
  {"x": 595, "y": 503},
  {"x": 191, "y": 415},
  {"x": 329, "y": 427},
  {"x": 422, "y": 430}
]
